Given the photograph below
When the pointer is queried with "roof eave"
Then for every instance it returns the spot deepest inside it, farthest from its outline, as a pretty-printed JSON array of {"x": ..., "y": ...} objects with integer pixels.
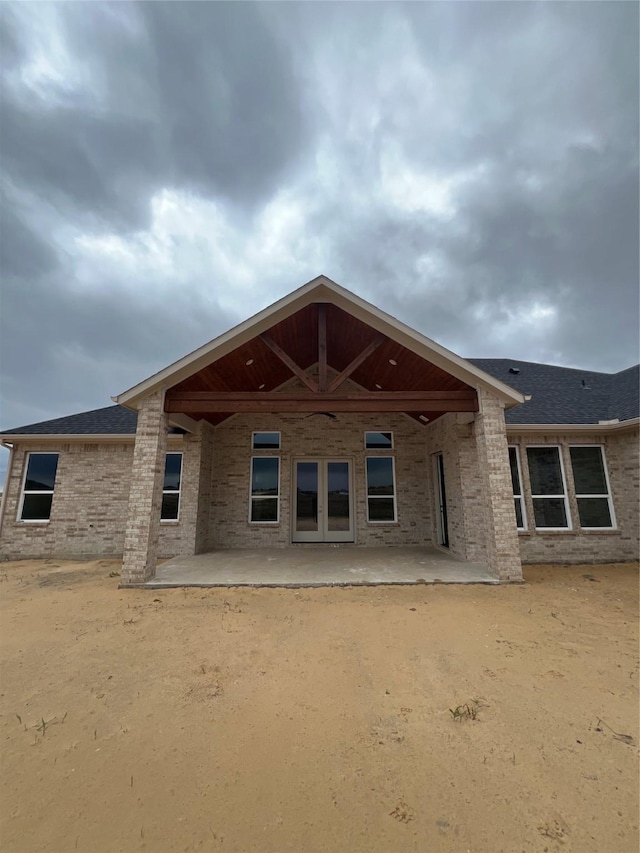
[
  {"x": 597, "y": 427},
  {"x": 318, "y": 290}
]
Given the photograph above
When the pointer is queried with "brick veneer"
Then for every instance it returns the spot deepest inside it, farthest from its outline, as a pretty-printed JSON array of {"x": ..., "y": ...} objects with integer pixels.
[
  {"x": 89, "y": 508},
  {"x": 145, "y": 496},
  {"x": 586, "y": 546},
  {"x": 502, "y": 550},
  {"x": 91, "y": 497},
  {"x": 317, "y": 437}
]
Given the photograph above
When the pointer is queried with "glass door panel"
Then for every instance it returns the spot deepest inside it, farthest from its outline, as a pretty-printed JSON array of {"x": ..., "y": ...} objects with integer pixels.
[
  {"x": 306, "y": 497},
  {"x": 338, "y": 496}
]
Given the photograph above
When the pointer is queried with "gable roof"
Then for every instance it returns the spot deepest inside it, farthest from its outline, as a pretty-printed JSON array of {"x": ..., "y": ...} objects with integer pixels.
[
  {"x": 565, "y": 395},
  {"x": 320, "y": 289},
  {"x": 557, "y": 397}
]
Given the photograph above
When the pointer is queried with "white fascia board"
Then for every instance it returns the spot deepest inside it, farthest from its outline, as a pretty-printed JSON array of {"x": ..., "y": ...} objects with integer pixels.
[
  {"x": 223, "y": 344},
  {"x": 320, "y": 289},
  {"x": 423, "y": 346},
  {"x": 603, "y": 427}
]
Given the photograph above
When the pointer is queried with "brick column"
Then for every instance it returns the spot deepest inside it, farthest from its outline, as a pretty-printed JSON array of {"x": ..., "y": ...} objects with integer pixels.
[
  {"x": 145, "y": 497},
  {"x": 501, "y": 537}
]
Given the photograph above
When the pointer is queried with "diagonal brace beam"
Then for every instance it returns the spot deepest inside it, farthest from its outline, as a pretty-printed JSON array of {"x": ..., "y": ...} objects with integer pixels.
[
  {"x": 286, "y": 359},
  {"x": 355, "y": 364}
]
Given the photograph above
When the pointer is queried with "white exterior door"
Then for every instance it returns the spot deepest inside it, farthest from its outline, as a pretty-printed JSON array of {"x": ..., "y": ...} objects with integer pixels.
[{"x": 323, "y": 501}]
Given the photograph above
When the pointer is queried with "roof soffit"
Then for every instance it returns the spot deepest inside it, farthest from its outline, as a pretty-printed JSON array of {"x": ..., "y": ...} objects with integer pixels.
[{"x": 320, "y": 290}]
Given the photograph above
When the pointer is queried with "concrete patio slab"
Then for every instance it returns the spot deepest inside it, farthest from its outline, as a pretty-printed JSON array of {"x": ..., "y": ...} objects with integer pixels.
[{"x": 313, "y": 566}]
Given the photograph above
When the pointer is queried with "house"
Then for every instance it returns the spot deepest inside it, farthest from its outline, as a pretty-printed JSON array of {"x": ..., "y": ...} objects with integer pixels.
[{"x": 324, "y": 420}]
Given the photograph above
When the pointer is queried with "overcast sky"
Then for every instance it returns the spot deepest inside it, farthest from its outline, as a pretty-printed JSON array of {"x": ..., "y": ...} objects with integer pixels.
[{"x": 170, "y": 169}]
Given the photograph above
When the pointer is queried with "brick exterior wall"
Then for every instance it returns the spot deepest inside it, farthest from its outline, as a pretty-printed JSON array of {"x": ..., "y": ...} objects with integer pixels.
[
  {"x": 445, "y": 436},
  {"x": 502, "y": 551},
  {"x": 89, "y": 508},
  {"x": 318, "y": 437},
  {"x": 145, "y": 496},
  {"x": 91, "y": 496},
  {"x": 586, "y": 546}
]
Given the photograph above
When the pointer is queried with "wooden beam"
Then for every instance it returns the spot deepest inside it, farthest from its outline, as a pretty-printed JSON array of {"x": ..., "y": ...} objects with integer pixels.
[
  {"x": 355, "y": 364},
  {"x": 318, "y": 404},
  {"x": 381, "y": 401},
  {"x": 293, "y": 367},
  {"x": 322, "y": 346},
  {"x": 412, "y": 396}
]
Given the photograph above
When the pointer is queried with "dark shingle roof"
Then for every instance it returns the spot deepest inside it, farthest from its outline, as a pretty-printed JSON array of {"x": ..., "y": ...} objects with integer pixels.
[
  {"x": 625, "y": 392},
  {"x": 564, "y": 395},
  {"x": 112, "y": 420},
  {"x": 559, "y": 395}
]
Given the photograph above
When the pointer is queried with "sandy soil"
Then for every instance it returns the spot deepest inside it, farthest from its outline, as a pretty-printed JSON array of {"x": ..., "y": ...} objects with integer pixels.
[{"x": 318, "y": 720}]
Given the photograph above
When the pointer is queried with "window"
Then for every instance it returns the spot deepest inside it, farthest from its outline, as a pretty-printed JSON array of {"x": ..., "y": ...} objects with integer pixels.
[
  {"x": 37, "y": 492},
  {"x": 171, "y": 487},
  {"x": 378, "y": 440},
  {"x": 266, "y": 441},
  {"x": 516, "y": 480},
  {"x": 548, "y": 491},
  {"x": 381, "y": 491},
  {"x": 592, "y": 486},
  {"x": 265, "y": 488}
]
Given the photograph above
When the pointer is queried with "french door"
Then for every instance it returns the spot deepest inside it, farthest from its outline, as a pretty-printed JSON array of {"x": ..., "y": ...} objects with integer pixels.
[{"x": 323, "y": 501}]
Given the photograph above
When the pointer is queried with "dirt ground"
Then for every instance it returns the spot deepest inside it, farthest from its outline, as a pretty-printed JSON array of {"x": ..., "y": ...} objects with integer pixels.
[{"x": 318, "y": 720}]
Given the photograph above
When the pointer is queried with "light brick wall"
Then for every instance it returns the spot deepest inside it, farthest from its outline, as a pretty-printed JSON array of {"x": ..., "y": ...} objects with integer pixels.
[
  {"x": 468, "y": 449},
  {"x": 204, "y": 531},
  {"x": 498, "y": 519},
  {"x": 89, "y": 507},
  {"x": 145, "y": 496},
  {"x": 444, "y": 436},
  {"x": 90, "y": 501},
  {"x": 179, "y": 538},
  {"x": 317, "y": 437},
  {"x": 586, "y": 546}
]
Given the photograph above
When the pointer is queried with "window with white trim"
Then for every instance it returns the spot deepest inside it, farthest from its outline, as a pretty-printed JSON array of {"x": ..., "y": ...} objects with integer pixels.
[
  {"x": 37, "y": 490},
  {"x": 265, "y": 489},
  {"x": 378, "y": 440},
  {"x": 516, "y": 481},
  {"x": 548, "y": 488},
  {"x": 591, "y": 480},
  {"x": 266, "y": 441},
  {"x": 381, "y": 489},
  {"x": 171, "y": 487}
]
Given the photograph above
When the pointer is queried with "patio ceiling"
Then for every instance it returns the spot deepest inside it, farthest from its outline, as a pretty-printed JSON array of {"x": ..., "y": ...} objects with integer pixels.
[{"x": 323, "y": 346}]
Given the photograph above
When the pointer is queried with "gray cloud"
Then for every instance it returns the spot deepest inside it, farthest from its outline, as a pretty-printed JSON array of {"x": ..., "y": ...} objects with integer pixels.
[{"x": 169, "y": 169}]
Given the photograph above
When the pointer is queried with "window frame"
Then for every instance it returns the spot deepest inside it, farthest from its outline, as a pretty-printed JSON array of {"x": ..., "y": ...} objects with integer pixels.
[
  {"x": 564, "y": 497},
  {"x": 369, "y": 497},
  {"x": 520, "y": 497},
  {"x": 608, "y": 496},
  {"x": 24, "y": 492},
  {"x": 253, "y": 497},
  {"x": 256, "y": 432},
  {"x": 177, "y": 491},
  {"x": 379, "y": 432}
]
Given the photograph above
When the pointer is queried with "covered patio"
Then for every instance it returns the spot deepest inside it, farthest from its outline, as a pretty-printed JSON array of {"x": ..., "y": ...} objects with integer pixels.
[
  {"x": 321, "y": 421},
  {"x": 309, "y": 566}
]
